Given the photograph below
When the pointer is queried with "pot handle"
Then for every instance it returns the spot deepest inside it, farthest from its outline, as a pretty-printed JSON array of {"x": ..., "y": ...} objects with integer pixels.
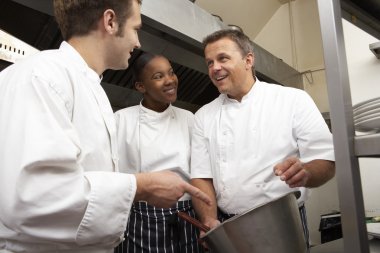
[{"x": 193, "y": 221}]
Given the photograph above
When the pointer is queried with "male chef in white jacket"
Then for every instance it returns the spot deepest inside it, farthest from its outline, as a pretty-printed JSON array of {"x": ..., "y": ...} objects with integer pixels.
[
  {"x": 59, "y": 186},
  {"x": 257, "y": 141}
]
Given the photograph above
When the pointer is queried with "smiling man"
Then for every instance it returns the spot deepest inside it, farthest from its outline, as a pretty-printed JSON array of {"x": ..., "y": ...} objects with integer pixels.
[
  {"x": 60, "y": 190},
  {"x": 257, "y": 141}
]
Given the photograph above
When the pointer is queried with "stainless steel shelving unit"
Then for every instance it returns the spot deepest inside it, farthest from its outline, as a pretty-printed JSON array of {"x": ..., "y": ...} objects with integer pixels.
[{"x": 348, "y": 147}]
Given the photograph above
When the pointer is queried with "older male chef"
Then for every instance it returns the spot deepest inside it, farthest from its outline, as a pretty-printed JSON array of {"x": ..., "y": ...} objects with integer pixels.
[{"x": 257, "y": 141}]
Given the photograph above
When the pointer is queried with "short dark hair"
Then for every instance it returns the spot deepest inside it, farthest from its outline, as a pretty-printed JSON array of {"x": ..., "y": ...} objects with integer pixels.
[
  {"x": 141, "y": 62},
  {"x": 79, "y": 17},
  {"x": 242, "y": 41}
]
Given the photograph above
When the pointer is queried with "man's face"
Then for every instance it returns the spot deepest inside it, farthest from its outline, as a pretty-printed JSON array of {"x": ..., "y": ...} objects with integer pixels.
[
  {"x": 126, "y": 40},
  {"x": 228, "y": 69}
]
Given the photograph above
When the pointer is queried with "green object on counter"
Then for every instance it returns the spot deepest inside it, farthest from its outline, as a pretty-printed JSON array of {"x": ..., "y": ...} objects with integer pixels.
[{"x": 372, "y": 219}]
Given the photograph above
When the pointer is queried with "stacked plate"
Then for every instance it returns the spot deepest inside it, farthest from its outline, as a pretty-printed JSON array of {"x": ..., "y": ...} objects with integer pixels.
[
  {"x": 373, "y": 229},
  {"x": 367, "y": 115}
]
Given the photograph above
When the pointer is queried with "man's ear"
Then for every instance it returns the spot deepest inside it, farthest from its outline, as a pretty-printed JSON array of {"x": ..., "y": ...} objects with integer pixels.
[
  {"x": 249, "y": 60},
  {"x": 110, "y": 21},
  {"x": 140, "y": 87}
]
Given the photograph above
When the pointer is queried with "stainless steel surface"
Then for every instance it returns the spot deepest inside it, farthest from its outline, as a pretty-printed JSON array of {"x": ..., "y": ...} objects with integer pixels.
[
  {"x": 367, "y": 145},
  {"x": 347, "y": 165},
  {"x": 273, "y": 227},
  {"x": 13, "y": 49},
  {"x": 337, "y": 247}
]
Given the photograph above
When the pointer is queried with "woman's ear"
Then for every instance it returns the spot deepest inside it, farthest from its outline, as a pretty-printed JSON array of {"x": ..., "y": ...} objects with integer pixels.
[{"x": 140, "y": 87}]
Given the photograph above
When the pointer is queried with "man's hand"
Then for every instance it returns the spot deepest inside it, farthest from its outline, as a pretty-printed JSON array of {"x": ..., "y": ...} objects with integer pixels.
[
  {"x": 164, "y": 188},
  {"x": 298, "y": 174},
  {"x": 211, "y": 223},
  {"x": 292, "y": 172}
]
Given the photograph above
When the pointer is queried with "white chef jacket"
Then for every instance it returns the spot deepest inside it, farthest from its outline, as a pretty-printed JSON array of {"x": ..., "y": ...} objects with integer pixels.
[
  {"x": 152, "y": 141},
  {"x": 238, "y": 144},
  {"x": 59, "y": 191}
]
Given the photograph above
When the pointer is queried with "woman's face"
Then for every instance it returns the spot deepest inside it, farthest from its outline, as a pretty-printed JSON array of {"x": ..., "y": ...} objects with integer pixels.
[{"x": 158, "y": 84}]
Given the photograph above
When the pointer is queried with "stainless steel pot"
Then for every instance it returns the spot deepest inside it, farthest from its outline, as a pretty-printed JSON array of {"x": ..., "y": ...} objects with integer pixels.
[{"x": 271, "y": 228}]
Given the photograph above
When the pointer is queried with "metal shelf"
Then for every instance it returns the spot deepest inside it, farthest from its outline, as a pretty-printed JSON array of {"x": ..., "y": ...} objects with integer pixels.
[
  {"x": 347, "y": 146},
  {"x": 367, "y": 145}
]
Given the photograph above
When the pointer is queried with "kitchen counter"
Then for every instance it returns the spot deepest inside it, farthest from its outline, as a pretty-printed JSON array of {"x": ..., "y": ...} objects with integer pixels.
[{"x": 337, "y": 247}]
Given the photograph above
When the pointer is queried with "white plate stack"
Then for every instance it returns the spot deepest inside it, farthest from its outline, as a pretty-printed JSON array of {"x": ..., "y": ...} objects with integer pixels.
[
  {"x": 373, "y": 229},
  {"x": 367, "y": 115}
]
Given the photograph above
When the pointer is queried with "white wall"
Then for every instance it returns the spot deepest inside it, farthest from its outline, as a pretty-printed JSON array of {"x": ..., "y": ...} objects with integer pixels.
[
  {"x": 364, "y": 76},
  {"x": 250, "y": 15},
  {"x": 293, "y": 35},
  {"x": 363, "y": 66}
]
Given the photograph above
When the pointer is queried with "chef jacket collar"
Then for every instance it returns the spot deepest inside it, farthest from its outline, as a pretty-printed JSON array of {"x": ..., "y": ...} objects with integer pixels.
[
  {"x": 80, "y": 63},
  {"x": 246, "y": 97},
  {"x": 149, "y": 115}
]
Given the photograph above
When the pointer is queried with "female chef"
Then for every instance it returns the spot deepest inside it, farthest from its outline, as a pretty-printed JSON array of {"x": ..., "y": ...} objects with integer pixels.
[{"x": 152, "y": 136}]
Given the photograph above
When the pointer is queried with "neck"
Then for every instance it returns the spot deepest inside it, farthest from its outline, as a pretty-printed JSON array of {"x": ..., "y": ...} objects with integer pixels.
[
  {"x": 248, "y": 84},
  {"x": 157, "y": 107},
  {"x": 86, "y": 47}
]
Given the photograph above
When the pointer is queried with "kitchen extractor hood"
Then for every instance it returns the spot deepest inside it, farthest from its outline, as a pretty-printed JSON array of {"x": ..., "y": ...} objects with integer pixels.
[
  {"x": 176, "y": 28},
  {"x": 13, "y": 49}
]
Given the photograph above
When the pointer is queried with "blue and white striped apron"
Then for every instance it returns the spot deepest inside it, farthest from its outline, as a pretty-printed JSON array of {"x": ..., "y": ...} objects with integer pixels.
[{"x": 152, "y": 229}]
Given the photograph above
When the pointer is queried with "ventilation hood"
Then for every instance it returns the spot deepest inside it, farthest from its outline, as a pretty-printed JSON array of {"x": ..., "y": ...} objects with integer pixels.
[{"x": 174, "y": 28}]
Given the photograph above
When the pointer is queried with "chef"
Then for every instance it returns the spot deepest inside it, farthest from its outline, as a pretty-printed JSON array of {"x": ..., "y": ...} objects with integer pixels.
[
  {"x": 59, "y": 186},
  {"x": 153, "y": 136},
  {"x": 257, "y": 141}
]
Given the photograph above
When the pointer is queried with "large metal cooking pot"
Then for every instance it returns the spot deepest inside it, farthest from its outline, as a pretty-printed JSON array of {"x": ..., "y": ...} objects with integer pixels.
[{"x": 274, "y": 227}]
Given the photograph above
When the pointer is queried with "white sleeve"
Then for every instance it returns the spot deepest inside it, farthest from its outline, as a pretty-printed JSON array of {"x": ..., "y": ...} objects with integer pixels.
[
  {"x": 45, "y": 193},
  {"x": 313, "y": 136},
  {"x": 200, "y": 156}
]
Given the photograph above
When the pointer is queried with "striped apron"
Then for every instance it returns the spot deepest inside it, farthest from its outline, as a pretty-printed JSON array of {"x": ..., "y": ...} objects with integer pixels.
[{"x": 152, "y": 229}]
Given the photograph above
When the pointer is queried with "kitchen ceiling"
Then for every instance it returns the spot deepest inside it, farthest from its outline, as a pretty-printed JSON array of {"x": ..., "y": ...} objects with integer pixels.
[
  {"x": 40, "y": 31},
  {"x": 252, "y": 15}
]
